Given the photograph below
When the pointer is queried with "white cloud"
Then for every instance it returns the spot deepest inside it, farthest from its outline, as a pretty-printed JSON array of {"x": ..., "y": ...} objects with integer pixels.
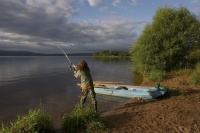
[
  {"x": 95, "y": 2},
  {"x": 64, "y": 8},
  {"x": 113, "y": 32},
  {"x": 116, "y": 2},
  {"x": 110, "y": 33},
  {"x": 39, "y": 25}
]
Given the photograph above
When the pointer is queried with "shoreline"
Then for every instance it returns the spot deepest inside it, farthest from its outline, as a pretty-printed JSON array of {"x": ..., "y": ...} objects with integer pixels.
[
  {"x": 176, "y": 111},
  {"x": 153, "y": 115}
]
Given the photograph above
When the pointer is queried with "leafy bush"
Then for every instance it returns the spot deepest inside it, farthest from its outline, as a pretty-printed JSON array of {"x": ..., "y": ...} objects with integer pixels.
[
  {"x": 83, "y": 120},
  {"x": 179, "y": 72},
  {"x": 195, "y": 76},
  {"x": 198, "y": 67},
  {"x": 169, "y": 42},
  {"x": 157, "y": 76},
  {"x": 37, "y": 121}
]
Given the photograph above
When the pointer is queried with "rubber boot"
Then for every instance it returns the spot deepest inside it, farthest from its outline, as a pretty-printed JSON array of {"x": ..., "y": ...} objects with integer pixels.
[
  {"x": 95, "y": 107},
  {"x": 81, "y": 104}
]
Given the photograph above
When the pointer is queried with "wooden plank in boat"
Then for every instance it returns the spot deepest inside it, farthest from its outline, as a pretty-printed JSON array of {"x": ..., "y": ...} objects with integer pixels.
[{"x": 107, "y": 82}]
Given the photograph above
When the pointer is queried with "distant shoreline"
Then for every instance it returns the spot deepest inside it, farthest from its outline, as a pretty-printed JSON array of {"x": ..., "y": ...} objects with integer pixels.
[{"x": 26, "y": 53}]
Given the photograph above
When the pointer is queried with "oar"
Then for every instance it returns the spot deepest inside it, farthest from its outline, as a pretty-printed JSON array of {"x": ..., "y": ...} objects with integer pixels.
[{"x": 107, "y": 82}]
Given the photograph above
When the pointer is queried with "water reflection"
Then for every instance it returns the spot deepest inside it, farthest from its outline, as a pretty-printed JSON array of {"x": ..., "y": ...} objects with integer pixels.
[
  {"x": 112, "y": 63},
  {"x": 16, "y": 68},
  {"x": 26, "y": 82},
  {"x": 137, "y": 78}
]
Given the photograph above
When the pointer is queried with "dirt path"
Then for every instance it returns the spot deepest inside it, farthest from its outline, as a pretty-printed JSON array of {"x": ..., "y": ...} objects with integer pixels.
[{"x": 177, "y": 112}]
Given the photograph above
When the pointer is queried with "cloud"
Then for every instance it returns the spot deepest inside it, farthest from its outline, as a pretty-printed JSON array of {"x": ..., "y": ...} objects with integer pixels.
[
  {"x": 61, "y": 8},
  {"x": 95, "y": 2},
  {"x": 116, "y": 2},
  {"x": 115, "y": 33},
  {"x": 39, "y": 25},
  {"x": 130, "y": 2}
]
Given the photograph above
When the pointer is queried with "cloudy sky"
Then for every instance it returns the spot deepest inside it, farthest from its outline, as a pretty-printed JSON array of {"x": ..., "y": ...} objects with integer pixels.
[{"x": 78, "y": 25}]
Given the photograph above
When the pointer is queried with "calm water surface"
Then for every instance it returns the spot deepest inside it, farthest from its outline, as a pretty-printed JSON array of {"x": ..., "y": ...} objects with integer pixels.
[{"x": 28, "y": 82}]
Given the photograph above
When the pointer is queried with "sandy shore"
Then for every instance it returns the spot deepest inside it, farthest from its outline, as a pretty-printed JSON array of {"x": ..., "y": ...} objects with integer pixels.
[{"x": 177, "y": 112}]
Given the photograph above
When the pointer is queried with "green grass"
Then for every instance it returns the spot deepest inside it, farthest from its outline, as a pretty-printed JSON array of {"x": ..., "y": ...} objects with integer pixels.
[
  {"x": 194, "y": 78},
  {"x": 193, "y": 75},
  {"x": 83, "y": 120},
  {"x": 158, "y": 76},
  {"x": 186, "y": 72},
  {"x": 37, "y": 121}
]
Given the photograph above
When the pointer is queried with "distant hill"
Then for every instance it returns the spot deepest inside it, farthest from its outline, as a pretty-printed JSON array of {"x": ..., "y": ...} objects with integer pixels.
[
  {"x": 26, "y": 53},
  {"x": 80, "y": 54},
  {"x": 19, "y": 53}
]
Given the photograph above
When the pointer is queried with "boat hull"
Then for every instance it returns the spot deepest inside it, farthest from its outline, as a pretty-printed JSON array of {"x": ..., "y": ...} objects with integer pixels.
[{"x": 131, "y": 92}]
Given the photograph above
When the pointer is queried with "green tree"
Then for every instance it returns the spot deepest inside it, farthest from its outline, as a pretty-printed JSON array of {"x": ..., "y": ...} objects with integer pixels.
[
  {"x": 168, "y": 42},
  {"x": 106, "y": 53}
]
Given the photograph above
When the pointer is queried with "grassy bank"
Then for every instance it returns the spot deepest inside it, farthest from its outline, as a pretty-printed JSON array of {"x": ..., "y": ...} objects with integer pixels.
[
  {"x": 39, "y": 121},
  {"x": 193, "y": 75},
  {"x": 83, "y": 120}
]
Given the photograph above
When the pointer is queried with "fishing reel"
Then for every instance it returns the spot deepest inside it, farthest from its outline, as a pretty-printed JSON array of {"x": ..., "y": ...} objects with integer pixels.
[{"x": 70, "y": 67}]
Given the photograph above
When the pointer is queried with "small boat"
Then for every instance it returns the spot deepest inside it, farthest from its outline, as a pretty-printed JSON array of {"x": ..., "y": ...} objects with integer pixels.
[{"x": 128, "y": 91}]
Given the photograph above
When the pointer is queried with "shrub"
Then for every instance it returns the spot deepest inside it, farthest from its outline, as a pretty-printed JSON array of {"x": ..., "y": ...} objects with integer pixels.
[
  {"x": 83, "y": 120},
  {"x": 163, "y": 44},
  {"x": 96, "y": 125},
  {"x": 157, "y": 76},
  {"x": 179, "y": 72},
  {"x": 37, "y": 121},
  {"x": 197, "y": 68},
  {"x": 195, "y": 76}
]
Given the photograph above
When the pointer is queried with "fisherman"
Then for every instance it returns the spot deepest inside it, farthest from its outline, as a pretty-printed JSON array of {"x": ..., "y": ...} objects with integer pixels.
[{"x": 83, "y": 71}]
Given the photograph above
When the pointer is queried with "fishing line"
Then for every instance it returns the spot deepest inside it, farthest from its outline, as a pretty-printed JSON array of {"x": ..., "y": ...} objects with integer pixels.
[{"x": 65, "y": 56}]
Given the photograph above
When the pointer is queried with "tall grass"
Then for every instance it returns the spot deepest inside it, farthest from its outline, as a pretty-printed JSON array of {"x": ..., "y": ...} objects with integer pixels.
[
  {"x": 195, "y": 76},
  {"x": 179, "y": 72},
  {"x": 83, "y": 120},
  {"x": 37, "y": 121},
  {"x": 158, "y": 76}
]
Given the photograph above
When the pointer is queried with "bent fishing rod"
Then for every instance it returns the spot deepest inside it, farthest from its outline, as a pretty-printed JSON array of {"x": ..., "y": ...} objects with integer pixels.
[{"x": 66, "y": 56}]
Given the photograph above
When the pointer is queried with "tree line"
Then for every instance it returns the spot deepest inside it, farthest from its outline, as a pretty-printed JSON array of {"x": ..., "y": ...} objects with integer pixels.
[{"x": 108, "y": 53}]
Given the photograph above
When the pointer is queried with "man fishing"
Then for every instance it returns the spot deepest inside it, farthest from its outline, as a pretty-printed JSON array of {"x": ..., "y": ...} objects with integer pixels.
[{"x": 82, "y": 70}]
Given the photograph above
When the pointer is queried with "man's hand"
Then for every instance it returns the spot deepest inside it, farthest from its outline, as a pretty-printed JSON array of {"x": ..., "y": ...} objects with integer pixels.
[{"x": 73, "y": 66}]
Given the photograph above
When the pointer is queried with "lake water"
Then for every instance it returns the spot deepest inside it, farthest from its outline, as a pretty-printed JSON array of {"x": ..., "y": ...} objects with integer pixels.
[{"x": 30, "y": 82}]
